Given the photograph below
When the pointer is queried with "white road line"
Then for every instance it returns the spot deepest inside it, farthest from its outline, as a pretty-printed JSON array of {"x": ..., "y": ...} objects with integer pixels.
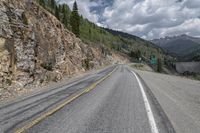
[{"x": 154, "y": 128}]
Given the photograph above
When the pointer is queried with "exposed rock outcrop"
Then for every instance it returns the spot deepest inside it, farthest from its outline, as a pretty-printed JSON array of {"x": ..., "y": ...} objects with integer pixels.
[{"x": 35, "y": 48}]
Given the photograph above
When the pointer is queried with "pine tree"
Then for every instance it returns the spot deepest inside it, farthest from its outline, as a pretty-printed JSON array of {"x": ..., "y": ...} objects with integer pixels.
[
  {"x": 75, "y": 20},
  {"x": 49, "y": 3},
  {"x": 159, "y": 65},
  {"x": 64, "y": 16},
  {"x": 65, "y": 21},
  {"x": 42, "y": 3},
  {"x": 52, "y": 4},
  {"x": 60, "y": 8},
  {"x": 63, "y": 8},
  {"x": 57, "y": 14}
]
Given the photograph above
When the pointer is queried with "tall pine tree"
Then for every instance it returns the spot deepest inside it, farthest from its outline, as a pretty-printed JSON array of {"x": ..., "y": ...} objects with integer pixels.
[
  {"x": 57, "y": 13},
  {"x": 65, "y": 20},
  {"x": 53, "y": 4},
  {"x": 75, "y": 20},
  {"x": 42, "y": 3}
]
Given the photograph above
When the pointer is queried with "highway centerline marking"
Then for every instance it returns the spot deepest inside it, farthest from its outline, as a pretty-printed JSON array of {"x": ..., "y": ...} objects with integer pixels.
[
  {"x": 152, "y": 122},
  {"x": 60, "y": 106}
]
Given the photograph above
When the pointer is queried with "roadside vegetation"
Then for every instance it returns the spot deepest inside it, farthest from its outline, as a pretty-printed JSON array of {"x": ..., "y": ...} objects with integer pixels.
[
  {"x": 142, "y": 67},
  {"x": 159, "y": 65},
  {"x": 191, "y": 75}
]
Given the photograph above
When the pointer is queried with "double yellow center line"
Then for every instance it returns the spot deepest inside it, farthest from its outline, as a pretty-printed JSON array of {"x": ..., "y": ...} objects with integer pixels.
[{"x": 60, "y": 106}]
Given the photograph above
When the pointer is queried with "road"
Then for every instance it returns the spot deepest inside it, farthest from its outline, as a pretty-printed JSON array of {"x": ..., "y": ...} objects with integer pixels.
[
  {"x": 179, "y": 98},
  {"x": 122, "y": 102}
]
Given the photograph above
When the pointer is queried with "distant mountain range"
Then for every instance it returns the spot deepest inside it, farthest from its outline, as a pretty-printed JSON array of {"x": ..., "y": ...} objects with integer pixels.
[
  {"x": 130, "y": 36},
  {"x": 184, "y": 47}
]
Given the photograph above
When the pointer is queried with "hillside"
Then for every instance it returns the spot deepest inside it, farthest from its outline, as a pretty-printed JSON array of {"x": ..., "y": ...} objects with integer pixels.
[
  {"x": 184, "y": 47},
  {"x": 135, "y": 39},
  {"x": 36, "y": 48},
  {"x": 92, "y": 34}
]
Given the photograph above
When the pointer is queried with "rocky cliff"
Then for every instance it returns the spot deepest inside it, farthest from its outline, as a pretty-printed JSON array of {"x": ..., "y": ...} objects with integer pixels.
[{"x": 35, "y": 48}]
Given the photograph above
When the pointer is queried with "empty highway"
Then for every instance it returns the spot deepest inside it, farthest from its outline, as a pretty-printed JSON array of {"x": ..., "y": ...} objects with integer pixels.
[{"x": 116, "y": 99}]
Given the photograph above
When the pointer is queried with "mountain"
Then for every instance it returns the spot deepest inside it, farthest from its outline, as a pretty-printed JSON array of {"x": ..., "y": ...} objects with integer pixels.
[
  {"x": 123, "y": 34},
  {"x": 184, "y": 47},
  {"x": 36, "y": 48},
  {"x": 92, "y": 34},
  {"x": 130, "y": 36}
]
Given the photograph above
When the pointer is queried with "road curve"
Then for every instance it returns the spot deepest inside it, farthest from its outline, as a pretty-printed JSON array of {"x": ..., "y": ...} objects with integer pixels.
[
  {"x": 179, "y": 98},
  {"x": 18, "y": 113},
  {"x": 114, "y": 106},
  {"x": 125, "y": 102}
]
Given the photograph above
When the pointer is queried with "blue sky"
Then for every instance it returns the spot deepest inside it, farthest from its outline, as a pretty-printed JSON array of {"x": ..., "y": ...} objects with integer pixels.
[{"x": 148, "y": 19}]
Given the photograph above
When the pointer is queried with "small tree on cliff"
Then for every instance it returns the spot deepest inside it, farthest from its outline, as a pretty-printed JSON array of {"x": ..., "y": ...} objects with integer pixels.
[{"x": 75, "y": 20}]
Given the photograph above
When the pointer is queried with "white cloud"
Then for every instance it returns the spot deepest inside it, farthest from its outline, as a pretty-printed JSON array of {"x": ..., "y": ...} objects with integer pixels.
[
  {"x": 189, "y": 27},
  {"x": 145, "y": 18},
  {"x": 153, "y": 18},
  {"x": 84, "y": 8}
]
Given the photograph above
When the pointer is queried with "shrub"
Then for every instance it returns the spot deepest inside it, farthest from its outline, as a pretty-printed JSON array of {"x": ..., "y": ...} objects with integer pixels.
[
  {"x": 48, "y": 66},
  {"x": 86, "y": 63},
  {"x": 24, "y": 18}
]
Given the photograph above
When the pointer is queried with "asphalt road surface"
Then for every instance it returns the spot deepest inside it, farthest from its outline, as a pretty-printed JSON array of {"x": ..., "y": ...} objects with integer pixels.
[
  {"x": 125, "y": 102},
  {"x": 179, "y": 98}
]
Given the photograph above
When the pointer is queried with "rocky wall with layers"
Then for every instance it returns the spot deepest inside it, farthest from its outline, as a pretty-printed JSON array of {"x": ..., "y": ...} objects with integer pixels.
[{"x": 35, "y": 48}]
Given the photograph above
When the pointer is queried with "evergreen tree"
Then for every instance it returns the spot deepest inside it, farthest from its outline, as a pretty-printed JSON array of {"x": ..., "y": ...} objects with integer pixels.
[
  {"x": 57, "y": 14},
  {"x": 75, "y": 20},
  {"x": 90, "y": 32},
  {"x": 52, "y": 4},
  {"x": 159, "y": 65},
  {"x": 65, "y": 21},
  {"x": 42, "y": 3},
  {"x": 65, "y": 15},
  {"x": 49, "y": 3},
  {"x": 60, "y": 8},
  {"x": 63, "y": 8}
]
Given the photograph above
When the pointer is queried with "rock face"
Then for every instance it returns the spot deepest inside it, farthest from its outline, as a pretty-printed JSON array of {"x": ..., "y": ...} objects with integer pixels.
[{"x": 35, "y": 48}]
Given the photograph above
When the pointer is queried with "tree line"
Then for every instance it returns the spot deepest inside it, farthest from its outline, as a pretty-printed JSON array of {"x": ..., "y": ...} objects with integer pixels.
[
  {"x": 70, "y": 19},
  {"x": 89, "y": 32}
]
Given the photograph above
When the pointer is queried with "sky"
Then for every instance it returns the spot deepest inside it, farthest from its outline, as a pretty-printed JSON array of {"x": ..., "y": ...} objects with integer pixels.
[{"x": 149, "y": 19}]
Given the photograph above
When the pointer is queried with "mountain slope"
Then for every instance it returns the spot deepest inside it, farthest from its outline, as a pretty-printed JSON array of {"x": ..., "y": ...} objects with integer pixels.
[
  {"x": 184, "y": 47},
  {"x": 132, "y": 37},
  {"x": 36, "y": 48},
  {"x": 92, "y": 34}
]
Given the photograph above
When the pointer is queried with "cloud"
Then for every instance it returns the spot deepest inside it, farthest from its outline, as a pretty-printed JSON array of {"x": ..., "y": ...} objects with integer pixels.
[
  {"x": 145, "y": 18},
  {"x": 84, "y": 8}
]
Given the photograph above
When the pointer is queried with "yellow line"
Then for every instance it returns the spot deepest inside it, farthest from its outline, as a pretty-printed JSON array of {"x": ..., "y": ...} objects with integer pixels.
[{"x": 42, "y": 117}]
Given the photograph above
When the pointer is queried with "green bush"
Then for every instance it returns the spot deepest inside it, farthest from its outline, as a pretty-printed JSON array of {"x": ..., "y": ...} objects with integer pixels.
[
  {"x": 24, "y": 18},
  {"x": 86, "y": 64},
  {"x": 48, "y": 66}
]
